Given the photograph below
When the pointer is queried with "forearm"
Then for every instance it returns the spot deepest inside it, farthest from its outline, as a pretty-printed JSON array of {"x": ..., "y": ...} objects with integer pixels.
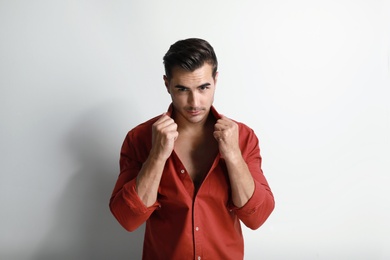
[
  {"x": 164, "y": 134},
  {"x": 251, "y": 194},
  {"x": 148, "y": 180},
  {"x": 241, "y": 180},
  {"x": 134, "y": 199}
]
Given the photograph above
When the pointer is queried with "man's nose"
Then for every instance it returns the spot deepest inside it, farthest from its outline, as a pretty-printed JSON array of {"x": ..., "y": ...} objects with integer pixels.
[{"x": 193, "y": 99}]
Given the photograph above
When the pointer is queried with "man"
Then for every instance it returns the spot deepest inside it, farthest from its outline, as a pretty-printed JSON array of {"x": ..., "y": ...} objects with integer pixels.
[{"x": 191, "y": 173}]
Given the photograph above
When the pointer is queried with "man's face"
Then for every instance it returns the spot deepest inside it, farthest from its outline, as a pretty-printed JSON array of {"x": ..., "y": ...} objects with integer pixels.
[{"x": 192, "y": 93}]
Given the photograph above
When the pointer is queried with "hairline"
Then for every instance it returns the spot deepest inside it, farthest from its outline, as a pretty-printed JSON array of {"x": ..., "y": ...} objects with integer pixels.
[{"x": 214, "y": 69}]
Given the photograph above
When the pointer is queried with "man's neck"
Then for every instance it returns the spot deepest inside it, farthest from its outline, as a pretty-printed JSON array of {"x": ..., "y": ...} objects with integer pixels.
[{"x": 185, "y": 127}]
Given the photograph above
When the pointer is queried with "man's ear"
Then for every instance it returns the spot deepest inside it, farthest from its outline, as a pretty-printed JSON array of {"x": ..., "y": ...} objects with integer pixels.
[{"x": 166, "y": 82}]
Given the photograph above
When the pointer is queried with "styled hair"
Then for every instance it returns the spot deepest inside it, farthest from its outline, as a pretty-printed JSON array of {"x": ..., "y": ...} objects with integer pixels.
[{"x": 190, "y": 54}]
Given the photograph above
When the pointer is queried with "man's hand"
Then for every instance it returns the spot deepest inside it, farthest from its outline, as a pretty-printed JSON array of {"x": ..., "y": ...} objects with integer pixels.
[
  {"x": 241, "y": 181},
  {"x": 226, "y": 134},
  {"x": 164, "y": 135}
]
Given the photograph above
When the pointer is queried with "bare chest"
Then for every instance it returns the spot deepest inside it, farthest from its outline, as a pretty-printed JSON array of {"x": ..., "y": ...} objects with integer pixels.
[{"x": 197, "y": 157}]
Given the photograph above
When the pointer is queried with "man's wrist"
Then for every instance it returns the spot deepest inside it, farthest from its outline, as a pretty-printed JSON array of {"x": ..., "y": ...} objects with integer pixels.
[{"x": 234, "y": 157}]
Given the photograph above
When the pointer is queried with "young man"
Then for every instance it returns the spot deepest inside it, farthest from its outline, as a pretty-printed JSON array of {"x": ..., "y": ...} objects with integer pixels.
[{"x": 191, "y": 173}]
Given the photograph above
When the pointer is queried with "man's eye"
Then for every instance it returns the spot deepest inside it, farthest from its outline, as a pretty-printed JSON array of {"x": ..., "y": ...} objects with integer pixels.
[
  {"x": 203, "y": 88},
  {"x": 182, "y": 89}
]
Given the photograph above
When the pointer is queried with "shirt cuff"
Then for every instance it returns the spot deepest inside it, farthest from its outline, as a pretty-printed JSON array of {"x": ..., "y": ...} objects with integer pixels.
[
  {"x": 254, "y": 202},
  {"x": 132, "y": 199}
]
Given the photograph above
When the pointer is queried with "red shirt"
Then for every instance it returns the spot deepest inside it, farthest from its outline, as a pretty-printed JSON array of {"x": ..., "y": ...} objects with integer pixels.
[{"x": 182, "y": 224}]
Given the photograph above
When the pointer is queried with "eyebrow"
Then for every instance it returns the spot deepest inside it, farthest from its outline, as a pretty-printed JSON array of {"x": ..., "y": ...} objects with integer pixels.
[{"x": 201, "y": 86}]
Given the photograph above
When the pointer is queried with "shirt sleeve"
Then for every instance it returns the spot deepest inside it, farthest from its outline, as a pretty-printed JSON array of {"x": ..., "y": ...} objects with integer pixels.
[
  {"x": 125, "y": 203},
  {"x": 258, "y": 208}
]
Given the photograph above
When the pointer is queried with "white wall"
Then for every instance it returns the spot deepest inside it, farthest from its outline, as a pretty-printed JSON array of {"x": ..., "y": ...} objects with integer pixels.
[{"x": 311, "y": 77}]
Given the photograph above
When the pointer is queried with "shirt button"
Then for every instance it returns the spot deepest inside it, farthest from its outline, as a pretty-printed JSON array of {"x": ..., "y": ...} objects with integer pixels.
[
  {"x": 199, "y": 257},
  {"x": 182, "y": 171},
  {"x": 197, "y": 228}
]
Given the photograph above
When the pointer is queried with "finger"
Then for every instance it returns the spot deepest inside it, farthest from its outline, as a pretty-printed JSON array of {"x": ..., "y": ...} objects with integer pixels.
[
  {"x": 218, "y": 127},
  {"x": 218, "y": 135},
  {"x": 164, "y": 121},
  {"x": 225, "y": 125},
  {"x": 223, "y": 122},
  {"x": 175, "y": 135},
  {"x": 163, "y": 118},
  {"x": 221, "y": 126}
]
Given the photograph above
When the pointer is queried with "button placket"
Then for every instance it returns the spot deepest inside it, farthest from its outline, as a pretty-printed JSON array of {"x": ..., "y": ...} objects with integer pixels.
[{"x": 197, "y": 232}]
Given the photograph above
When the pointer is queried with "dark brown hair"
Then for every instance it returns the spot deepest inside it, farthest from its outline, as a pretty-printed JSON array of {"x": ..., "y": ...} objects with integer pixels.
[{"x": 190, "y": 54}]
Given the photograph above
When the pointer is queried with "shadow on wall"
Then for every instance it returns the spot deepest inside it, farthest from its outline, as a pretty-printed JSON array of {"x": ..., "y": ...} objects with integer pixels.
[{"x": 83, "y": 226}]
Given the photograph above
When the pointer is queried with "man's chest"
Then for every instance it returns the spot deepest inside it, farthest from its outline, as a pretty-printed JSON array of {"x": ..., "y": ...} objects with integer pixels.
[{"x": 197, "y": 159}]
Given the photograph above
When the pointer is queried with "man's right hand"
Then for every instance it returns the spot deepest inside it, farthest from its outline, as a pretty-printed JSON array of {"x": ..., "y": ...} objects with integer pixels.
[{"x": 164, "y": 135}]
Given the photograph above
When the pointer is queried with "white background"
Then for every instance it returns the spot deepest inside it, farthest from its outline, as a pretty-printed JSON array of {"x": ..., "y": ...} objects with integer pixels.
[{"x": 310, "y": 77}]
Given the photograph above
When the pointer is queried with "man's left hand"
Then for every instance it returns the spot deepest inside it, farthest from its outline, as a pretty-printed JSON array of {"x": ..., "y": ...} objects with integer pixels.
[{"x": 226, "y": 134}]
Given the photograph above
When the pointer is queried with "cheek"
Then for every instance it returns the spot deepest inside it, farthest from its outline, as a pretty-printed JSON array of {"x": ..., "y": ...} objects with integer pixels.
[{"x": 176, "y": 98}]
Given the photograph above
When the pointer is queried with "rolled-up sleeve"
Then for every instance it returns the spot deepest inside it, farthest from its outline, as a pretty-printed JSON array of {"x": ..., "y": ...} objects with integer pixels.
[
  {"x": 260, "y": 206},
  {"x": 128, "y": 209},
  {"x": 125, "y": 203}
]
